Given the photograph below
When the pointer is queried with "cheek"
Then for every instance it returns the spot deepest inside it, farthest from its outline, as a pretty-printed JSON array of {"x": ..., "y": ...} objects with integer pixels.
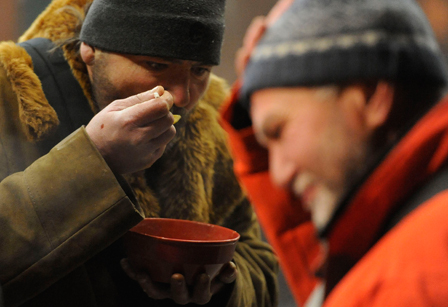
[
  {"x": 197, "y": 90},
  {"x": 338, "y": 150},
  {"x": 300, "y": 150},
  {"x": 302, "y": 140}
]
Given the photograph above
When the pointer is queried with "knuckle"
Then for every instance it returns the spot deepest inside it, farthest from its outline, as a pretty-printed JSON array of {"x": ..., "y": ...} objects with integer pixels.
[
  {"x": 162, "y": 105},
  {"x": 171, "y": 132}
]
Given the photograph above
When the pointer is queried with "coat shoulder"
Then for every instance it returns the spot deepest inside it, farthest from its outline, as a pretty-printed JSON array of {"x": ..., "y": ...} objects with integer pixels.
[{"x": 37, "y": 117}]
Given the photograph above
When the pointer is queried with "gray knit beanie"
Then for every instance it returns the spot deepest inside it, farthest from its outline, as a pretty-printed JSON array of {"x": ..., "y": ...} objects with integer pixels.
[
  {"x": 319, "y": 42},
  {"x": 180, "y": 29}
]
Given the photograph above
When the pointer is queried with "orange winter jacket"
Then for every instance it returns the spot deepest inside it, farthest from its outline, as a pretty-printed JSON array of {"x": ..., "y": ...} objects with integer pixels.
[
  {"x": 287, "y": 227},
  {"x": 408, "y": 266}
]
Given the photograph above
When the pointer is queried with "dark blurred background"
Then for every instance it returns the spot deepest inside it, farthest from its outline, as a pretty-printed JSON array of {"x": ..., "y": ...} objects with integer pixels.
[{"x": 17, "y": 15}]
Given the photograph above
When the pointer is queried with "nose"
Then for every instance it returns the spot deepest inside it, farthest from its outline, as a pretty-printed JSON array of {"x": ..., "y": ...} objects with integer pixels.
[
  {"x": 179, "y": 87},
  {"x": 281, "y": 168}
]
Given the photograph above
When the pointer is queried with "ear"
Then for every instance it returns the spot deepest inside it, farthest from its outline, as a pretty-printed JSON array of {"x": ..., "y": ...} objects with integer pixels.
[
  {"x": 379, "y": 106},
  {"x": 87, "y": 54}
]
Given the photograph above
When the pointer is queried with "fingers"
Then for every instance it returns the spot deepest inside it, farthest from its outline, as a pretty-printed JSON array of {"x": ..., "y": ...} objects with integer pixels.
[
  {"x": 163, "y": 139},
  {"x": 226, "y": 276},
  {"x": 122, "y": 104},
  {"x": 277, "y": 10},
  {"x": 199, "y": 294},
  {"x": 202, "y": 293},
  {"x": 228, "y": 273},
  {"x": 132, "y": 133},
  {"x": 241, "y": 60},
  {"x": 253, "y": 34},
  {"x": 144, "y": 107},
  {"x": 158, "y": 130},
  {"x": 128, "y": 269},
  {"x": 255, "y": 31},
  {"x": 179, "y": 290},
  {"x": 146, "y": 112},
  {"x": 148, "y": 95},
  {"x": 154, "y": 290}
]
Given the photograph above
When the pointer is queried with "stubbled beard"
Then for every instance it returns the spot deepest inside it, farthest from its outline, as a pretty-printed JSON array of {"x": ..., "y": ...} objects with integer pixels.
[
  {"x": 103, "y": 91},
  {"x": 329, "y": 195}
]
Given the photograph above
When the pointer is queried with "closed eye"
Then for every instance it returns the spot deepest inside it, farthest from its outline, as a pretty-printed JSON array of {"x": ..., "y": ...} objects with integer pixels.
[
  {"x": 201, "y": 71},
  {"x": 156, "y": 66},
  {"x": 272, "y": 130}
]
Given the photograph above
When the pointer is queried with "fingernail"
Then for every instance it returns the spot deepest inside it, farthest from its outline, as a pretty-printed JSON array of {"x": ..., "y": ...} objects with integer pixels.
[{"x": 154, "y": 89}]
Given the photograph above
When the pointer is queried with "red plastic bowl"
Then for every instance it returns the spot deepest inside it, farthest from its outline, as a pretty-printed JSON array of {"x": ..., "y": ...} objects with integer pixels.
[{"x": 163, "y": 247}]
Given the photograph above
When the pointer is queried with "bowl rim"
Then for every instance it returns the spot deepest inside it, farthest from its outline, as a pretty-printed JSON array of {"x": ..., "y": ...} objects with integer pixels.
[{"x": 173, "y": 240}]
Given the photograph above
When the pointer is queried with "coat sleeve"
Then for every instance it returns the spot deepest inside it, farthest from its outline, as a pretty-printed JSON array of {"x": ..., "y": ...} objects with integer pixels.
[
  {"x": 56, "y": 214},
  {"x": 257, "y": 264},
  {"x": 281, "y": 216}
]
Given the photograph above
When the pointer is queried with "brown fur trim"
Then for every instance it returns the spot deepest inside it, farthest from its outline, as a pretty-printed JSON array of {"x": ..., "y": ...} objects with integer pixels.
[
  {"x": 59, "y": 22},
  {"x": 55, "y": 23},
  {"x": 144, "y": 194},
  {"x": 37, "y": 116},
  {"x": 216, "y": 92}
]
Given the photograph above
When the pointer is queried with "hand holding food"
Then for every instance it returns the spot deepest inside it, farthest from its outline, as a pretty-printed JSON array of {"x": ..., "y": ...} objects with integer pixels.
[{"x": 132, "y": 133}]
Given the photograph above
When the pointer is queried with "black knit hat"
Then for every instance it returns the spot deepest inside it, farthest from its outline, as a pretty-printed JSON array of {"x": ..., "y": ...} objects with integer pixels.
[
  {"x": 319, "y": 42},
  {"x": 181, "y": 29}
]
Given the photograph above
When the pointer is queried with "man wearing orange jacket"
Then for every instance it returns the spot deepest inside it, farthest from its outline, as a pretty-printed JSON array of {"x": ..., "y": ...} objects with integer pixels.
[{"x": 346, "y": 96}]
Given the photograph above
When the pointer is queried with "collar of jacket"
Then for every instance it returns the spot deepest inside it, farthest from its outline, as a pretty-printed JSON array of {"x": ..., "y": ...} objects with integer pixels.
[{"x": 418, "y": 156}]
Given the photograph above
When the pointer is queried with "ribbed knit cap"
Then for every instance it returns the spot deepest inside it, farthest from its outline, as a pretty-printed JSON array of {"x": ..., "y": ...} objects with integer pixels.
[
  {"x": 181, "y": 29},
  {"x": 320, "y": 42}
]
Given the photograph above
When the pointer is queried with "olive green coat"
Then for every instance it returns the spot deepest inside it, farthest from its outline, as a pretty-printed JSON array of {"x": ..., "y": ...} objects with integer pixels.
[{"x": 62, "y": 213}]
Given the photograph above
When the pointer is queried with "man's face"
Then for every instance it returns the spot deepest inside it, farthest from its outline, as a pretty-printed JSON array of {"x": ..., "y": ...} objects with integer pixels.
[
  {"x": 316, "y": 142},
  {"x": 118, "y": 76}
]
